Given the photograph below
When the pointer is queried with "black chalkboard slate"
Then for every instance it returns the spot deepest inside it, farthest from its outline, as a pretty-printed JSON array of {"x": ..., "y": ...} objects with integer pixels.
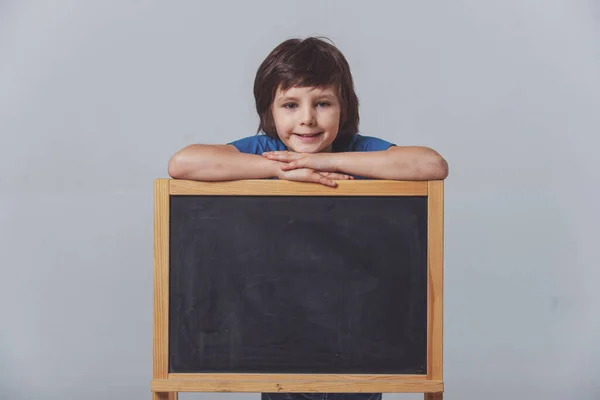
[{"x": 294, "y": 284}]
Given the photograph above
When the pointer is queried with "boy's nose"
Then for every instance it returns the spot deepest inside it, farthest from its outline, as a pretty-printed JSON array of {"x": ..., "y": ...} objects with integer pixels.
[{"x": 308, "y": 118}]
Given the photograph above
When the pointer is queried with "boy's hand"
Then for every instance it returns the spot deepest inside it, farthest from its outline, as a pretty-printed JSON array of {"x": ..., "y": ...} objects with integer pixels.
[
  {"x": 319, "y": 162},
  {"x": 310, "y": 175}
]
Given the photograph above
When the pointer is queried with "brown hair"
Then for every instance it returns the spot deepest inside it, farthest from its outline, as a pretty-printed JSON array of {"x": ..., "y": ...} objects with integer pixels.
[{"x": 301, "y": 63}]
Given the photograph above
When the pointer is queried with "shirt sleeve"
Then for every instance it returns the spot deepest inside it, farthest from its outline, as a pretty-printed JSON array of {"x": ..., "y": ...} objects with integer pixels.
[
  {"x": 370, "y": 143},
  {"x": 248, "y": 145},
  {"x": 257, "y": 144}
]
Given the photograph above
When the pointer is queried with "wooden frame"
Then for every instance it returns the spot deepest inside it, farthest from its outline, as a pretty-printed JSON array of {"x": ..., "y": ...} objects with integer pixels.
[{"x": 165, "y": 385}]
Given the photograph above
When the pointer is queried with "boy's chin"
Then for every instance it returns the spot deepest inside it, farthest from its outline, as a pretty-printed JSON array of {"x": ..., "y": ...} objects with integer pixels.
[{"x": 316, "y": 147}]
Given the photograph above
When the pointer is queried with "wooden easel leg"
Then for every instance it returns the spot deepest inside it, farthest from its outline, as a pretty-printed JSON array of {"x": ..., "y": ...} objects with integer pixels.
[
  {"x": 434, "y": 396},
  {"x": 164, "y": 396}
]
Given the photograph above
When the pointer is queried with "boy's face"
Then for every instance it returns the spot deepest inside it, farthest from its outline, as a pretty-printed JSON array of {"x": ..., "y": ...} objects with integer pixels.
[{"x": 307, "y": 119}]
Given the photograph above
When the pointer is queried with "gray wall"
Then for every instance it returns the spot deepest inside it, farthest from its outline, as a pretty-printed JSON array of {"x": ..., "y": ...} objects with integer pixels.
[{"x": 96, "y": 96}]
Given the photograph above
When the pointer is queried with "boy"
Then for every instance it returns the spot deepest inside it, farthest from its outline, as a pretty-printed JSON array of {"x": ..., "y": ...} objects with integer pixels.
[{"x": 308, "y": 112}]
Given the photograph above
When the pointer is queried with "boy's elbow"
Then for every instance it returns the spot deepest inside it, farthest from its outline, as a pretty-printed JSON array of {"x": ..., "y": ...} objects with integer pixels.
[
  {"x": 439, "y": 167},
  {"x": 175, "y": 168},
  {"x": 418, "y": 163},
  {"x": 433, "y": 166},
  {"x": 179, "y": 165},
  {"x": 197, "y": 161}
]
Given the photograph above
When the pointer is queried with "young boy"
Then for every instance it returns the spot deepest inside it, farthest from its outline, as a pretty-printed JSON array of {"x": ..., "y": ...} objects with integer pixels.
[{"x": 308, "y": 113}]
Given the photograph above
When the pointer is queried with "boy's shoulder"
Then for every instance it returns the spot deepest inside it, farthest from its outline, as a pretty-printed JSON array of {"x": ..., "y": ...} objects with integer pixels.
[
  {"x": 360, "y": 142},
  {"x": 258, "y": 144}
]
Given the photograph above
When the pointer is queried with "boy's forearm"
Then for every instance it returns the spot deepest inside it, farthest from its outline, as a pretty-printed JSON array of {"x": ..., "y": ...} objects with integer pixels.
[
  {"x": 219, "y": 163},
  {"x": 397, "y": 163}
]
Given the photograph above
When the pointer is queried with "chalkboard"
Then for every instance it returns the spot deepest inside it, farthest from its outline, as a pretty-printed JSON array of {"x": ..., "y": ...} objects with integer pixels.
[{"x": 298, "y": 284}]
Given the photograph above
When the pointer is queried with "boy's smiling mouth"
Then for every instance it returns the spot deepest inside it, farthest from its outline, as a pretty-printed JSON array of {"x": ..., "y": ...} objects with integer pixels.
[{"x": 307, "y": 137}]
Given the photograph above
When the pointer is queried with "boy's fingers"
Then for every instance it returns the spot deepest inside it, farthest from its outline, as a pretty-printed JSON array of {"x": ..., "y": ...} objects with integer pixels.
[
  {"x": 278, "y": 157},
  {"x": 338, "y": 176},
  {"x": 322, "y": 179},
  {"x": 335, "y": 175},
  {"x": 309, "y": 175},
  {"x": 283, "y": 156},
  {"x": 291, "y": 165}
]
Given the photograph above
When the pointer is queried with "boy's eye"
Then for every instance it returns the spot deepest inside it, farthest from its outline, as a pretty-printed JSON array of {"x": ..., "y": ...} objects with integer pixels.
[{"x": 319, "y": 104}]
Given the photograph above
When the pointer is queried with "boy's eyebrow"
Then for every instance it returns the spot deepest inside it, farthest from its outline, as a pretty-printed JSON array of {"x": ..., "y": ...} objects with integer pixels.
[
  {"x": 287, "y": 98},
  {"x": 327, "y": 96},
  {"x": 291, "y": 98}
]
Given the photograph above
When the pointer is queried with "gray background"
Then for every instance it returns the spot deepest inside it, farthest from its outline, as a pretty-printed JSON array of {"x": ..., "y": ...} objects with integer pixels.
[{"x": 96, "y": 96}]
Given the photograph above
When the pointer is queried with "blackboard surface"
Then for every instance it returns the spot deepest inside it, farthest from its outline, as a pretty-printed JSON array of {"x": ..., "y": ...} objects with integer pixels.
[{"x": 294, "y": 284}]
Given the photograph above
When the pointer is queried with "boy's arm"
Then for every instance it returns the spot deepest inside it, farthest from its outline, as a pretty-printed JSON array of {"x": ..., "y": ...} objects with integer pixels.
[
  {"x": 201, "y": 162},
  {"x": 395, "y": 163},
  {"x": 219, "y": 163}
]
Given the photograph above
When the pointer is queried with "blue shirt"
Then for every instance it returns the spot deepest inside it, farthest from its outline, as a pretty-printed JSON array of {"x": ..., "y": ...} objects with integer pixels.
[{"x": 259, "y": 144}]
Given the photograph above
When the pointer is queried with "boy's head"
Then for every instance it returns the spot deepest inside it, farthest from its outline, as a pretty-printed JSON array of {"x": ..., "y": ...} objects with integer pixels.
[{"x": 305, "y": 95}]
